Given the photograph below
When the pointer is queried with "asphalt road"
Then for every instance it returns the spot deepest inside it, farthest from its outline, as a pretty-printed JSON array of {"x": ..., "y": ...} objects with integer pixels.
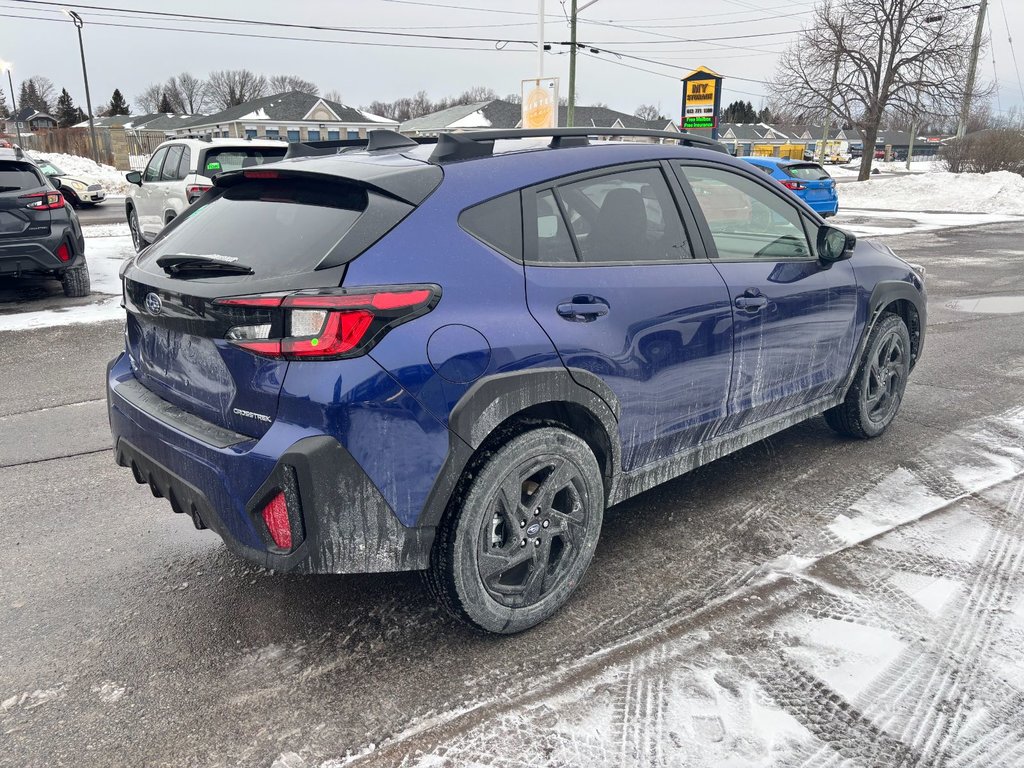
[
  {"x": 127, "y": 638},
  {"x": 110, "y": 211}
]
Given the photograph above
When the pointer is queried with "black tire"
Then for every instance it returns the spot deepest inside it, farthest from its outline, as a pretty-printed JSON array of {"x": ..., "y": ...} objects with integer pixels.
[
  {"x": 560, "y": 504},
  {"x": 133, "y": 227},
  {"x": 876, "y": 393},
  {"x": 71, "y": 198},
  {"x": 75, "y": 281}
]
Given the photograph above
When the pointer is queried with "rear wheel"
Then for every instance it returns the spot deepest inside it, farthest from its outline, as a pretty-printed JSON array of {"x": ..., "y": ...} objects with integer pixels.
[
  {"x": 517, "y": 543},
  {"x": 75, "y": 281},
  {"x": 877, "y": 390}
]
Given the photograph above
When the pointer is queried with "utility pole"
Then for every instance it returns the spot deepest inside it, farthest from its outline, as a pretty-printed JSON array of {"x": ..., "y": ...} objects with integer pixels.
[
  {"x": 832, "y": 92},
  {"x": 965, "y": 109},
  {"x": 85, "y": 74},
  {"x": 14, "y": 106},
  {"x": 570, "y": 111}
]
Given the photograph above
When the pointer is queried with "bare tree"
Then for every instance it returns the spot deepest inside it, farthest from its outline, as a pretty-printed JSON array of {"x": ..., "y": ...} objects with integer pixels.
[
  {"x": 46, "y": 92},
  {"x": 187, "y": 94},
  {"x": 230, "y": 87},
  {"x": 285, "y": 83},
  {"x": 649, "y": 112},
  {"x": 149, "y": 100},
  {"x": 335, "y": 95},
  {"x": 888, "y": 55}
]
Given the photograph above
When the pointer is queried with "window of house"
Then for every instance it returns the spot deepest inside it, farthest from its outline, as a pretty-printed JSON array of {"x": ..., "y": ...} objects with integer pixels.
[
  {"x": 273, "y": 133},
  {"x": 334, "y": 135},
  {"x": 353, "y": 134},
  {"x": 293, "y": 134},
  {"x": 250, "y": 133},
  {"x": 313, "y": 135}
]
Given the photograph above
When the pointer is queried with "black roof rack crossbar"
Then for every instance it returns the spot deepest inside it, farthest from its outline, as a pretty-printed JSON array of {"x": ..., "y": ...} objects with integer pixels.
[
  {"x": 375, "y": 140},
  {"x": 470, "y": 144}
]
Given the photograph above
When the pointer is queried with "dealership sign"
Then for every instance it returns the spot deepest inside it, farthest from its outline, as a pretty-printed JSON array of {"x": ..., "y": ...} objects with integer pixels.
[
  {"x": 702, "y": 93},
  {"x": 540, "y": 103}
]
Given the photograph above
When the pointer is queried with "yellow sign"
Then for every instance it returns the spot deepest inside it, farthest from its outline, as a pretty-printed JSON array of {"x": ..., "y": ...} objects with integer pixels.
[
  {"x": 540, "y": 103},
  {"x": 700, "y": 92}
]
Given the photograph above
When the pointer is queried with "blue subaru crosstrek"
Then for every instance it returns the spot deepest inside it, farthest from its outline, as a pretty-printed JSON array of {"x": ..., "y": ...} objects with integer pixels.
[
  {"x": 807, "y": 180},
  {"x": 453, "y": 357}
]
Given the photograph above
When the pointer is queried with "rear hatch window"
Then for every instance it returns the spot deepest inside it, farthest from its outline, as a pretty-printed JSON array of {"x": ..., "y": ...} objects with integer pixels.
[
  {"x": 275, "y": 227},
  {"x": 236, "y": 158},
  {"x": 18, "y": 176},
  {"x": 16, "y": 218},
  {"x": 807, "y": 172}
]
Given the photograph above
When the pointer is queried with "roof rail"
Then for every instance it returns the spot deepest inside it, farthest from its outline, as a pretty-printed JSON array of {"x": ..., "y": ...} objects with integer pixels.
[
  {"x": 380, "y": 138},
  {"x": 469, "y": 144}
]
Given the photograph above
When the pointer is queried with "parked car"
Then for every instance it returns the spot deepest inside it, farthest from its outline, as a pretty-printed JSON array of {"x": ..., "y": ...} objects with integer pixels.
[
  {"x": 808, "y": 181},
  {"x": 79, "y": 190},
  {"x": 179, "y": 172},
  {"x": 453, "y": 358},
  {"x": 39, "y": 231}
]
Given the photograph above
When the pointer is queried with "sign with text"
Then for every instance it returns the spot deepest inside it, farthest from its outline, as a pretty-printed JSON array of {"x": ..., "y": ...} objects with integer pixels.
[
  {"x": 540, "y": 103},
  {"x": 701, "y": 96}
]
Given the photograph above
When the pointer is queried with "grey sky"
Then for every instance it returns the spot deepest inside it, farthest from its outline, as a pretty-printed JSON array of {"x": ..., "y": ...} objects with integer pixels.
[{"x": 130, "y": 59}]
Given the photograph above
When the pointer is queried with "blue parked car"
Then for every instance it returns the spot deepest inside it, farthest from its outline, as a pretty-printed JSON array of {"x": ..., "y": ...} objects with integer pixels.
[
  {"x": 454, "y": 357},
  {"x": 808, "y": 181}
]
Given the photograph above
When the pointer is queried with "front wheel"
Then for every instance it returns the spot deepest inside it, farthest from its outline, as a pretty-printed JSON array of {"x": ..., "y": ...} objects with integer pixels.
[
  {"x": 876, "y": 393},
  {"x": 515, "y": 545}
]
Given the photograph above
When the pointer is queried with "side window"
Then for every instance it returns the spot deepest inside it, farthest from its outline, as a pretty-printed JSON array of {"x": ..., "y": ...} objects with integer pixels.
[
  {"x": 185, "y": 165},
  {"x": 153, "y": 169},
  {"x": 629, "y": 216},
  {"x": 746, "y": 220},
  {"x": 554, "y": 245},
  {"x": 170, "y": 171},
  {"x": 498, "y": 222}
]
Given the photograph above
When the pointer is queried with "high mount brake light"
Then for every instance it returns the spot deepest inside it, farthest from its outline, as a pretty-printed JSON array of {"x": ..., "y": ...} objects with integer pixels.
[
  {"x": 330, "y": 324},
  {"x": 794, "y": 185},
  {"x": 44, "y": 201},
  {"x": 260, "y": 174}
]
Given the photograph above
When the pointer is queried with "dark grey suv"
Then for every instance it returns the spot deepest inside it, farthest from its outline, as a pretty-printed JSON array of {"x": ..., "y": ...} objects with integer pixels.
[{"x": 39, "y": 232}]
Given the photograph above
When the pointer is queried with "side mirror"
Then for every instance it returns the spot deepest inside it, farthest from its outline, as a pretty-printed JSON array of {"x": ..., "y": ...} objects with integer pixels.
[
  {"x": 835, "y": 244},
  {"x": 134, "y": 177}
]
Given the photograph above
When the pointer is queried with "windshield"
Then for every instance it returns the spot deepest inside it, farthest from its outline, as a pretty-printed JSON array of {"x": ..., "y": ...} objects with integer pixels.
[
  {"x": 274, "y": 226},
  {"x": 807, "y": 171},
  {"x": 49, "y": 168}
]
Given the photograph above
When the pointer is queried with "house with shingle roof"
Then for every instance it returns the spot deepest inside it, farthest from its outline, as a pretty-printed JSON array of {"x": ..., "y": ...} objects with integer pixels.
[
  {"x": 291, "y": 116},
  {"x": 27, "y": 120},
  {"x": 501, "y": 114}
]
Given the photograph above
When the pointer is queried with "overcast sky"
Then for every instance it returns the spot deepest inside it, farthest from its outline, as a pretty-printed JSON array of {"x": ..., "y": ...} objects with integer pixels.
[{"x": 737, "y": 38}]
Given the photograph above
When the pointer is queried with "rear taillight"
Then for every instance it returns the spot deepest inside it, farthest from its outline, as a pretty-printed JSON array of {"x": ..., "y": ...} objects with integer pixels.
[
  {"x": 330, "y": 324},
  {"x": 796, "y": 186},
  {"x": 194, "y": 191},
  {"x": 44, "y": 201},
  {"x": 279, "y": 525}
]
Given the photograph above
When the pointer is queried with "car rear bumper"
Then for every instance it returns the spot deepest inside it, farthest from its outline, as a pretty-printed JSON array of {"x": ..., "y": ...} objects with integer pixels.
[
  {"x": 29, "y": 256},
  {"x": 340, "y": 521},
  {"x": 829, "y": 207}
]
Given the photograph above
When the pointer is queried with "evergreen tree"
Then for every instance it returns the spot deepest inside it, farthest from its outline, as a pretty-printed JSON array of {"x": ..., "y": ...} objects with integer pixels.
[
  {"x": 165, "y": 104},
  {"x": 739, "y": 112},
  {"x": 67, "y": 112},
  {"x": 118, "y": 106},
  {"x": 765, "y": 115},
  {"x": 5, "y": 112}
]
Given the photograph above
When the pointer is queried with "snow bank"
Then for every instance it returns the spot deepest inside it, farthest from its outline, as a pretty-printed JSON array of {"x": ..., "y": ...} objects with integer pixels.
[
  {"x": 110, "y": 178},
  {"x": 999, "y": 192}
]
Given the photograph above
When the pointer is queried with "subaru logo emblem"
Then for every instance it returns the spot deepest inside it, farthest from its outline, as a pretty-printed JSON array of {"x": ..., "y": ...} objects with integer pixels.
[
  {"x": 533, "y": 529},
  {"x": 153, "y": 304}
]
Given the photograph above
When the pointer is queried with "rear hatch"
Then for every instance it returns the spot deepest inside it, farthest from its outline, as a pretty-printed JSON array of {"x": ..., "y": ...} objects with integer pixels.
[
  {"x": 22, "y": 186},
  {"x": 819, "y": 186},
  {"x": 265, "y": 234}
]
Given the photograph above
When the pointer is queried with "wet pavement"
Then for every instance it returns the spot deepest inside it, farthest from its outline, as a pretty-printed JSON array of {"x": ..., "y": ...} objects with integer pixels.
[{"x": 808, "y": 601}]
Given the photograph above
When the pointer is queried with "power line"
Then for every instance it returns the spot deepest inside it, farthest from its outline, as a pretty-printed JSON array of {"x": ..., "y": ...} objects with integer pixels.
[{"x": 1013, "y": 52}]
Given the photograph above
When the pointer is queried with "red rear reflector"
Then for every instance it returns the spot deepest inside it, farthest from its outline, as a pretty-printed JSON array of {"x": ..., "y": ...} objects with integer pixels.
[
  {"x": 272, "y": 348},
  {"x": 260, "y": 174},
  {"x": 341, "y": 334},
  {"x": 400, "y": 300},
  {"x": 252, "y": 301},
  {"x": 62, "y": 252},
  {"x": 275, "y": 515}
]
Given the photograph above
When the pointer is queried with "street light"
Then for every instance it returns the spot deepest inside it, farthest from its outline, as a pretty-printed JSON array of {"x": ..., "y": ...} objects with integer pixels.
[
  {"x": 85, "y": 75},
  {"x": 17, "y": 125}
]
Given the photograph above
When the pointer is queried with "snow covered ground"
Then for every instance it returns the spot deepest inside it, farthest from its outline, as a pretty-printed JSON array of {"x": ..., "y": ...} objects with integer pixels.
[
  {"x": 1000, "y": 192},
  {"x": 111, "y": 179}
]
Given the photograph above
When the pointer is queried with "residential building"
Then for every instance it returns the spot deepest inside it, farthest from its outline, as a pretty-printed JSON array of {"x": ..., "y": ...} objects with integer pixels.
[{"x": 27, "y": 120}]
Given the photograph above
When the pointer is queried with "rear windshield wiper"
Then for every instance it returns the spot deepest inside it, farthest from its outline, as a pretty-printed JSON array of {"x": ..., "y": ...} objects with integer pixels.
[{"x": 178, "y": 264}]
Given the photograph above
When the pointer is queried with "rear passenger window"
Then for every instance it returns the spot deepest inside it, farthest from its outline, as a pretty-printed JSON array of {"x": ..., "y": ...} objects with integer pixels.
[
  {"x": 498, "y": 222},
  {"x": 170, "y": 170},
  {"x": 185, "y": 164},
  {"x": 625, "y": 217},
  {"x": 153, "y": 169},
  {"x": 554, "y": 245}
]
